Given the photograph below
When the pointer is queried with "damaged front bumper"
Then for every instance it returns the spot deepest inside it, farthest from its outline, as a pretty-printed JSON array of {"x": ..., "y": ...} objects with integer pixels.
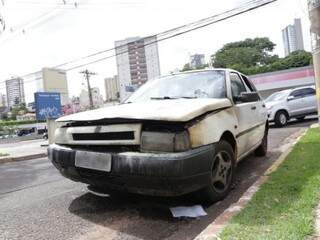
[{"x": 162, "y": 174}]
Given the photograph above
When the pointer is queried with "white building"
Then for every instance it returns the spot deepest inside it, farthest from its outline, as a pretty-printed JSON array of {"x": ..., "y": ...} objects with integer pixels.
[
  {"x": 137, "y": 62},
  {"x": 84, "y": 100},
  {"x": 3, "y": 100},
  {"x": 197, "y": 60},
  {"x": 15, "y": 91},
  {"x": 112, "y": 88},
  {"x": 53, "y": 80},
  {"x": 292, "y": 37}
]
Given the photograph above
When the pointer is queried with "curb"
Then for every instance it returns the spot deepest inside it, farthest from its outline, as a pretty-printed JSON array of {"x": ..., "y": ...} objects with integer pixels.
[
  {"x": 213, "y": 230},
  {"x": 22, "y": 158}
]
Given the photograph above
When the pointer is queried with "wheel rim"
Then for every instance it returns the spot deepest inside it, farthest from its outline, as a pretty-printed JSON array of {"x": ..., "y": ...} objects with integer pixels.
[
  {"x": 221, "y": 171},
  {"x": 283, "y": 119}
]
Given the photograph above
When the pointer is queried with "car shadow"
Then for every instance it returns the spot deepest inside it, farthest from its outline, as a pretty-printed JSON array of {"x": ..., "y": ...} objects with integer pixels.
[
  {"x": 150, "y": 218},
  {"x": 298, "y": 123}
]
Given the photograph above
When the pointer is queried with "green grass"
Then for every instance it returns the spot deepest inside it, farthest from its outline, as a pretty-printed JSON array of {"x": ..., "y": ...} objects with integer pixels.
[
  {"x": 284, "y": 207},
  {"x": 3, "y": 154}
]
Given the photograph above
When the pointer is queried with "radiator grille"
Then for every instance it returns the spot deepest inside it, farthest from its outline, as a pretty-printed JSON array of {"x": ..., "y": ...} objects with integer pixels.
[{"x": 126, "y": 135}]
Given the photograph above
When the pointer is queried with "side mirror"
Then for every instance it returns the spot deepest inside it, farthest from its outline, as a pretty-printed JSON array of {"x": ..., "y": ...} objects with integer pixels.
[
  {"x": 290, "y": 98},
  {"x": 248, "y": 97}
]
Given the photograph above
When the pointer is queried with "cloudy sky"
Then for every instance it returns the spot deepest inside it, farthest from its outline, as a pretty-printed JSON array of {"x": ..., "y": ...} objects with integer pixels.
[{"x": 45, "y": 33}]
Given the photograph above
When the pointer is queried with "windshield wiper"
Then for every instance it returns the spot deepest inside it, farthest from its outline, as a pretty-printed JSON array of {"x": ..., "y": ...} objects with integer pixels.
[
  {"x": 161, "y": 98},
  {"x": 167, "y": 97},
  {"x": 188, "y": 97}
]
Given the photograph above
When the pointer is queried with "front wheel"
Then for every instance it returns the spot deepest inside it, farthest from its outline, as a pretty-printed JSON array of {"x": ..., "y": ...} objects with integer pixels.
[
  {"x": 281, "y": 119},
  {"x": 222, "y": 173}
]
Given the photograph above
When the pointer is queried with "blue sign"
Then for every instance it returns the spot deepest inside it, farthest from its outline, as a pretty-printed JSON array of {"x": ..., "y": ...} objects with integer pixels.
[{"x": 48, "y": 105}]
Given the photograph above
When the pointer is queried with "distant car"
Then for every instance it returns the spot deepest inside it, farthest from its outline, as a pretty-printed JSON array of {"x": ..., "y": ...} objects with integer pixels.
[
  {"x": 25, "y": 131},
  {"x": 292, "y": 103},
  {"x": 45, "y": 136}
]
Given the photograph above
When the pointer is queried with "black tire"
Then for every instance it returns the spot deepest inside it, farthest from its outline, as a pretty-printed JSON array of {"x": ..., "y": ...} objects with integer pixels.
[
  {"x": 222, "y": 169},
  {"x": 301, "y": 118},
  {"x": 281, "y": 118},
  {"x": 262, "y": 150}
]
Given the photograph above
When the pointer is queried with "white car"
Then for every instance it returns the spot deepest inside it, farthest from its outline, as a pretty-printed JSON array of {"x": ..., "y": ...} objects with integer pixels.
[
  {"x": 292, "y": 103},
  {"x": 177, "y": 134}
]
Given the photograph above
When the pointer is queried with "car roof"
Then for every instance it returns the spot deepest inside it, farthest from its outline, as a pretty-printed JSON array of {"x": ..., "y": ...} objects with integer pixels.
[{"x": 203, "y": 70}]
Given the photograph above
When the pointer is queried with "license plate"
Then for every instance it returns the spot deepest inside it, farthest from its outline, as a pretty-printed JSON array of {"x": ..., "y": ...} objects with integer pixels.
[{"x": 93, "y": 160}]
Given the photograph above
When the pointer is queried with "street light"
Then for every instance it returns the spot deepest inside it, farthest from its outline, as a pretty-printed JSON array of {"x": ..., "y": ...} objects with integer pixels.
[{"x": 314, "y": 15}]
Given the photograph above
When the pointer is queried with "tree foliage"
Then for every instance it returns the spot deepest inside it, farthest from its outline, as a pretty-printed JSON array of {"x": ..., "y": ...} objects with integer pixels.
[{"x": 253, "y": 56}]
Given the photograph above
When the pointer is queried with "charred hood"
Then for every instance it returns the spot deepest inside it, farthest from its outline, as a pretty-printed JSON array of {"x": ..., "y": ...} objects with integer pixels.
[{"x": 177, "y": 110}]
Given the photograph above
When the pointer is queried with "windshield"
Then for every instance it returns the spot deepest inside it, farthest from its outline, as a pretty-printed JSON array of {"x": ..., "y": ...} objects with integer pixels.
[
  {"x": 208, "y": 84},
  {"x": 277, "y": 96}
]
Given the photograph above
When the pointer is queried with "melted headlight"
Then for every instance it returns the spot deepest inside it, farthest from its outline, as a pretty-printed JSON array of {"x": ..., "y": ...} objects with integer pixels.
[
  {"x": 164, "y": 141},
  {"x": 60, "y": 136}
]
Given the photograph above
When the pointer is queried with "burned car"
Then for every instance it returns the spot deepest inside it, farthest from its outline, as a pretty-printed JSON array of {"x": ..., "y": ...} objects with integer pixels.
[{"x": 175, "y": 135}]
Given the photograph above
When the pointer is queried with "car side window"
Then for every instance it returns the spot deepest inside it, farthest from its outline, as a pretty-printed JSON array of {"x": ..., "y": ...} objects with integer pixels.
[
  {"x": 297, "y": 93},
  {"x": 247, "y": 83},
  {"x": 308, "y": 92},
  {"x": 237, "y": 86}
]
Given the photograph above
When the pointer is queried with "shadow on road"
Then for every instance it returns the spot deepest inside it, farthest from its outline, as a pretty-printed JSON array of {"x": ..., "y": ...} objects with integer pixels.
[
  {"x": 298, "y": 123},
  {"x": 150, "y": 218}
]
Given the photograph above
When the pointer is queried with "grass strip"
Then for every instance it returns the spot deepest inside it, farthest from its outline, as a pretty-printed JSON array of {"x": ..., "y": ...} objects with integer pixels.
[{"x": 284, "y": 207}]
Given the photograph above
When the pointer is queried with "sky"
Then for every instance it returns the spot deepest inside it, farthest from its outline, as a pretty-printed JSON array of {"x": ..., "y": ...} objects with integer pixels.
[{"x": 46, "y": 33}]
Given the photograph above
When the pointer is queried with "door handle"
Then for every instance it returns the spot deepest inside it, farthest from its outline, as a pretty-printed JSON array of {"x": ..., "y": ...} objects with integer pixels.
[{"x": 253, "y": 108}]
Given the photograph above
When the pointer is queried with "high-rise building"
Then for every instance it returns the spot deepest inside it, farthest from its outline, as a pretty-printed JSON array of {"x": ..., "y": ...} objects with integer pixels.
[
  {"x": 112, "y": 88},
  {"x": 53, "y": 80},
  {"x": 137, "y": 62},
  {"x": 197, "y": 60},
  {"x": 3, "y": 100},
  {"x": 15, "y": 91},
  {"x": 292, "y": 37}
]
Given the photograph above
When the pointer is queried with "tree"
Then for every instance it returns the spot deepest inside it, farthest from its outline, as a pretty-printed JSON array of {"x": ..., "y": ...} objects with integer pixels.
[
  {"x": 187, "y": 67},
  {"x": 245, "y": 54},
  {"x": 253, "y": 56}
]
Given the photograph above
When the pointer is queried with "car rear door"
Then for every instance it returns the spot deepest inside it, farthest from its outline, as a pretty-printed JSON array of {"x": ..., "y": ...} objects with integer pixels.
[
  {"x": 295, "y": 103},
  {"x": 245, "y": 113},
  {"x": 309, "y": 100}
]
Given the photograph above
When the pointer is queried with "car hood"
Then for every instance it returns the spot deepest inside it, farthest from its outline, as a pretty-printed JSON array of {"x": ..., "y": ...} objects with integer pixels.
[
  {"x": 272, "y": 103},
  {"x": 177, "y": 110}
]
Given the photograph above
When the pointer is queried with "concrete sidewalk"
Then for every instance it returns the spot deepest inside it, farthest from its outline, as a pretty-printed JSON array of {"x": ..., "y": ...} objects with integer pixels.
[{"x": 23, "y": 150}]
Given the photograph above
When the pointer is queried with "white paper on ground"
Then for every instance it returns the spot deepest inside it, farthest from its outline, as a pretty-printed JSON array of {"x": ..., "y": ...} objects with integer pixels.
[{"x": 191, "y": 211}]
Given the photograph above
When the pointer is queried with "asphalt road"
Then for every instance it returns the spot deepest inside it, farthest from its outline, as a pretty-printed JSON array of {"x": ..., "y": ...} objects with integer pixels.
[{"x": 37, "y": 203}]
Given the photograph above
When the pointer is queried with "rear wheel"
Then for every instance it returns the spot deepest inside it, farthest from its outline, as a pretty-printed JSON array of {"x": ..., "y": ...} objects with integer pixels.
[
  {"x": 281, "y": 119},
  {"x": 222, "y": 173}
]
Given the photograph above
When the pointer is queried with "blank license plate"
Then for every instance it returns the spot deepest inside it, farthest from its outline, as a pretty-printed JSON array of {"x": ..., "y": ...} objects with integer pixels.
[{"x": 93, "y": 160}]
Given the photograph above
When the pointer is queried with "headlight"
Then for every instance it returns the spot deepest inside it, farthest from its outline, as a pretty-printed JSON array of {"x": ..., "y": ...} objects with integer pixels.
[
  {"x": 60, "y": 136},
  {"x": 269, "y": 107},
  {"x": 164, "y": 142}
]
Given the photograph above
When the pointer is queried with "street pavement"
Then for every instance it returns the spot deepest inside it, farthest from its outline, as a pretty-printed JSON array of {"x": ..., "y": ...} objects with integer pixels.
[
  {"x": 25, "y": 148},
  {"x": 37, "y": 203}
]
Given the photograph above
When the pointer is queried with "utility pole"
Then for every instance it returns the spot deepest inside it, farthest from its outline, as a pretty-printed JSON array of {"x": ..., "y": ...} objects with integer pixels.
[
  {"x": 314, "y": 15},
  {"x": 87, "y": 74}
]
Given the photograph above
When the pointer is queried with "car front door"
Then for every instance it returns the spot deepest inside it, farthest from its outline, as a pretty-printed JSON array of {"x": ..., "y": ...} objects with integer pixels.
[{"x": 245, "y": 113}]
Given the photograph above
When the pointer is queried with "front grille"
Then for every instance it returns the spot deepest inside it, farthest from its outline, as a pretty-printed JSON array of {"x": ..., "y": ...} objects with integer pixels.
[{"x": 127, "y": 135}]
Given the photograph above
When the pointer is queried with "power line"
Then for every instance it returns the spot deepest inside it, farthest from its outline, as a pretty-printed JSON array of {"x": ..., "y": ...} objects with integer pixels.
[
  {"x": 174, "y": 35},
  {"x": 162, "y": 34},
  {"x": 194, "y": 26}
]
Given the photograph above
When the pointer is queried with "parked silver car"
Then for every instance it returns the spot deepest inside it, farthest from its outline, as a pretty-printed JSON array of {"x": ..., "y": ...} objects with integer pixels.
[{"x": 292, "y": 103}]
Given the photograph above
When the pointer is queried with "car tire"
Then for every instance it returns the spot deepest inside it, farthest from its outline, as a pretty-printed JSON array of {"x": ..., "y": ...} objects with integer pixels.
[
  {"x": 262, "y": 150},
  {"x": 281, "y": 118},
  {"x": 301, "y": 118},
  {"x": 222, "y": 174}
]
